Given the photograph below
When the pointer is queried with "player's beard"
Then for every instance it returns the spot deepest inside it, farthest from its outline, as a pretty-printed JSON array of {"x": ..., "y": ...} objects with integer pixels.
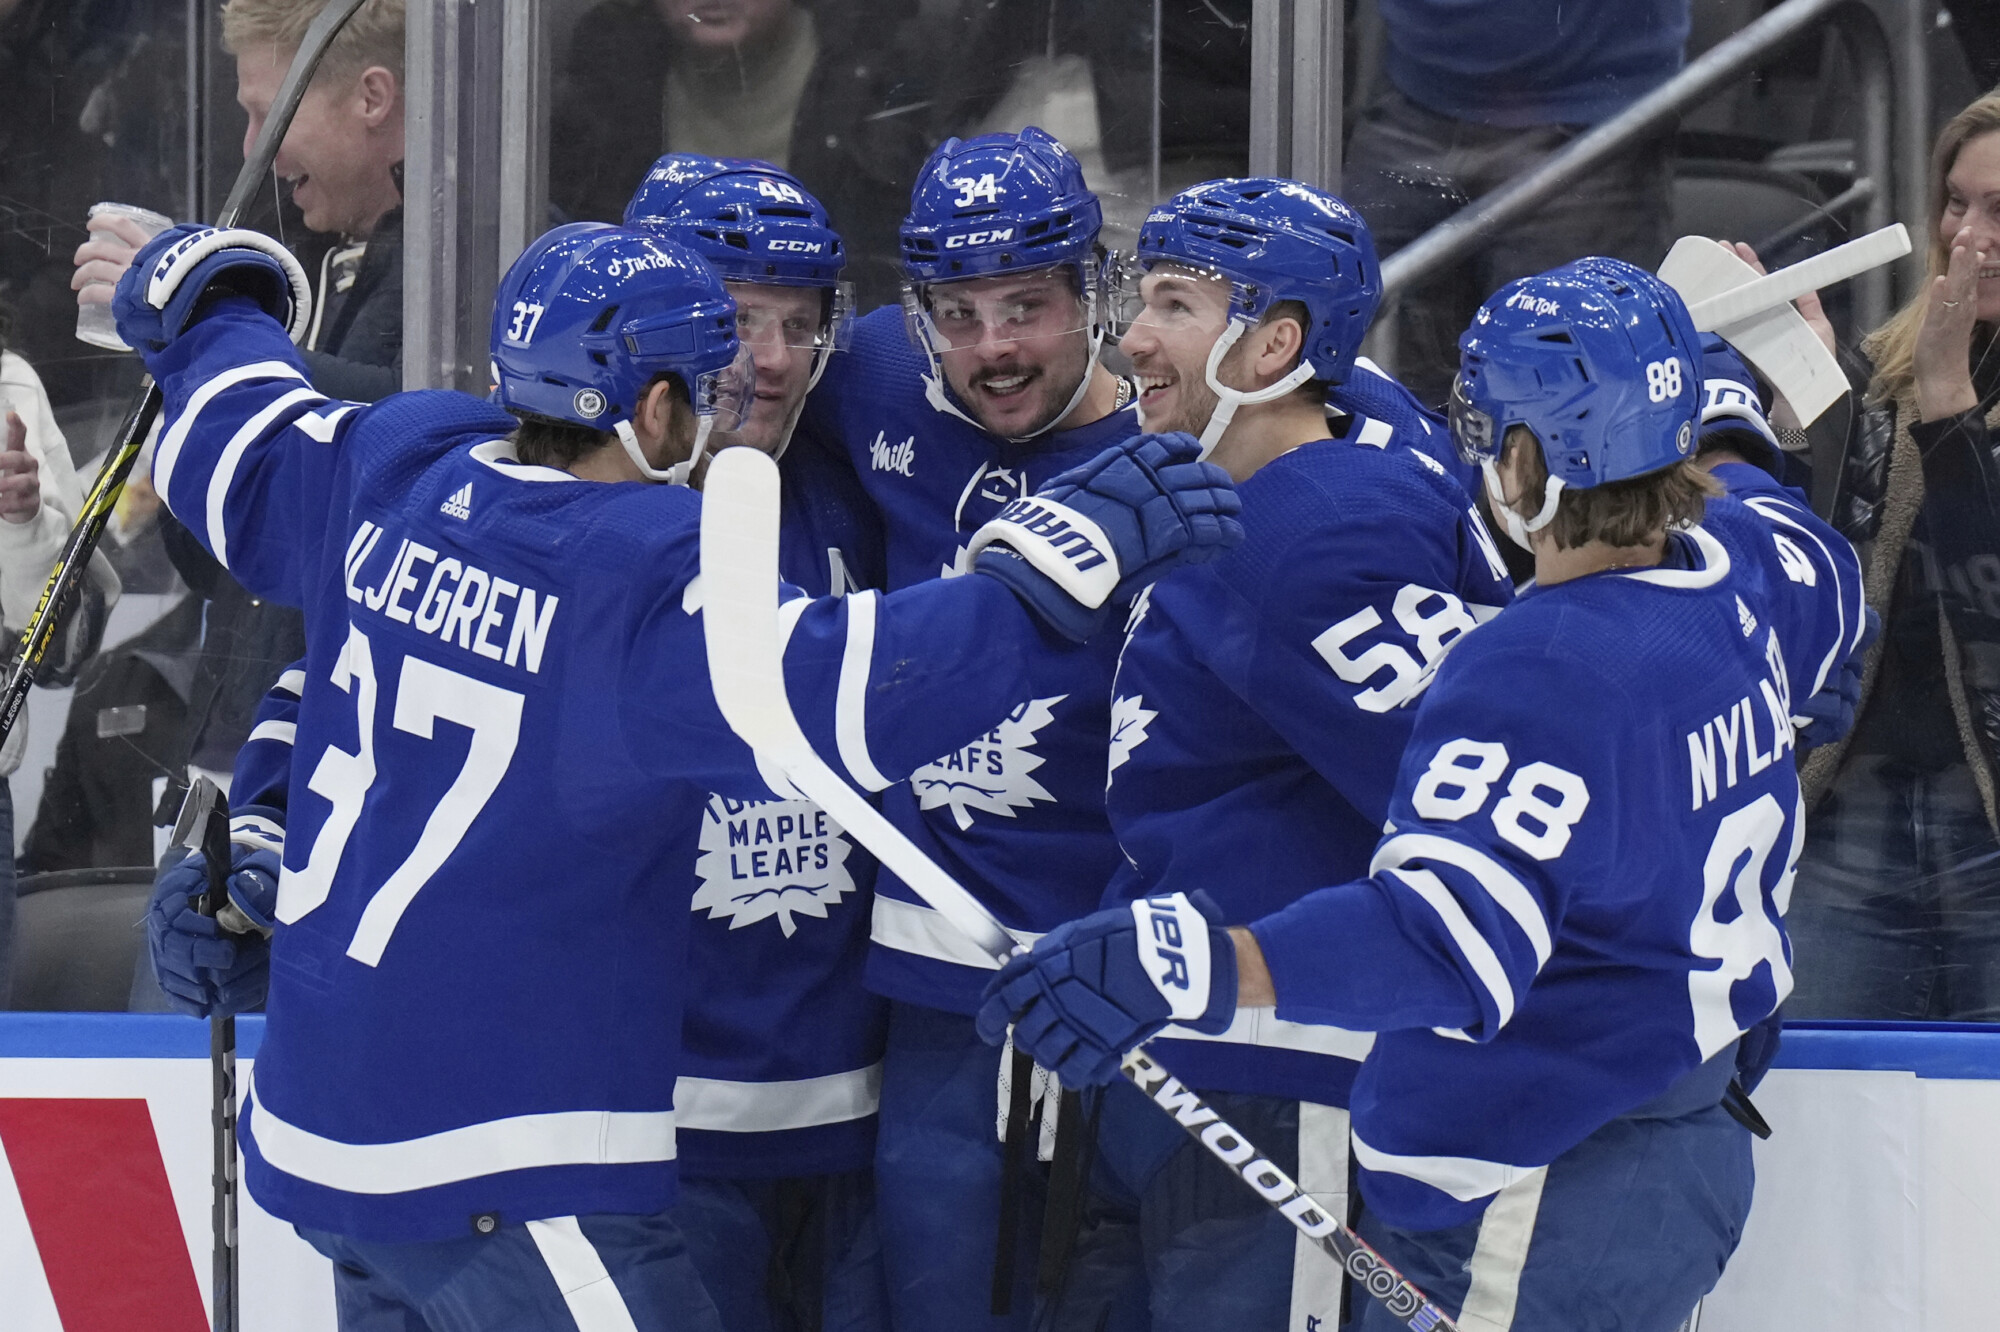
[
  {"x": 1053, "y": 385},
  {"x": 1194, "y": 403}
]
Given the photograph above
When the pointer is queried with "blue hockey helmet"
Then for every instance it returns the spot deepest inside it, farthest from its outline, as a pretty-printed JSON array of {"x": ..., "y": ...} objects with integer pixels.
[
  {"x": 1598, "y": 359},
  {"x": 1273, "y": 240},
  {"x": 1000, "y": 203},
  {"x": 591, "y": 312}
]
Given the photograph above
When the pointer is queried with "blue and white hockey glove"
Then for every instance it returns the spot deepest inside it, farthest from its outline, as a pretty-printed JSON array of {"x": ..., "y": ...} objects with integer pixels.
[
  {"x": 1730, "y": 402},
  {"x": 205, "y": 970},
  {"x": 178, "y": 269},
  {"x": 1832, "y": 709},
  {"x": 1094, "y": 988},
  {"x": 1092, "y": 537}
]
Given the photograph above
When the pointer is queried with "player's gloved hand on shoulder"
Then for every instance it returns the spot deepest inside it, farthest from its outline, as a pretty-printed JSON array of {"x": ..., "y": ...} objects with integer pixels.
[
  {"x": 1832, "y": 709},
  {"x": 1730, "y": 405},
  {"x": 1092, "y": 537},
  {"x": 204, "y": 968},
  {"x": 1092, "y": 989},
  {"x": 185, "y": 266}
]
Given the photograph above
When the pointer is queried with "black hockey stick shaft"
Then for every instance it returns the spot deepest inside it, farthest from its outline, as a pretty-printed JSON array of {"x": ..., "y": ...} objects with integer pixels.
[
  {"x": 225, "y": 1289},
  {"x": 65, "y": 581},
  {"x": 739, "y": 574}
]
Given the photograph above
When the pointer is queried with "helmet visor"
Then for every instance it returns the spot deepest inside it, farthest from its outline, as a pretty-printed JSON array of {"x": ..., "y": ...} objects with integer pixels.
[
  {"x": 1171, "y": 297},
  {"x": 726, "y": 394},
  {"x": 820, "y": 324},
  {"x": 1471, "y": 429},
  {"x": 1011, "y": 307}
]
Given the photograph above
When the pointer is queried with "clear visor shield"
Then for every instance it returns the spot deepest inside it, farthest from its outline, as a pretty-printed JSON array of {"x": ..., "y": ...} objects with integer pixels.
[
  {"x": 724, "y": 396},
  {"x": 1174, "y": 297},
  {"x": 1471, "y": 429},
  {"x": 795, "y": 324},
  {"x": 1015, "y": 307}
]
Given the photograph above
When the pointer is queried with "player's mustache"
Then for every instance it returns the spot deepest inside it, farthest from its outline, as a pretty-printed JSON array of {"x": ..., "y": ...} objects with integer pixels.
[{"x": 984, "y": 377}]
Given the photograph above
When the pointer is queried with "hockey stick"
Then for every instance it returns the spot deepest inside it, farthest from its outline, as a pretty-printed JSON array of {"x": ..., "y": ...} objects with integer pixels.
[
  {"x": 65, "y": 580},
  {"x": 203, "y": 829},
  {"x": 1718, "y": 313},
  {"x": 739, "y": 604}
]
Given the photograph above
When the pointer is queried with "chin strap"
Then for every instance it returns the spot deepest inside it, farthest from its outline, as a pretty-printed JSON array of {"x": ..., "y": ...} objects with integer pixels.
[
  {"x": 1229, "y": 399},
  {"x": 678, "y": 474},
  {"x": 1518, "y": 528},
  {"x": 934, "y": 392}
]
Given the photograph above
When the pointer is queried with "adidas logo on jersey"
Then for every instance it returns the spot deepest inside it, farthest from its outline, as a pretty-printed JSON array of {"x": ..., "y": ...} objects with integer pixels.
[
  {"x": 898, "y": 458},
  {"x": 459, "y": 505}
]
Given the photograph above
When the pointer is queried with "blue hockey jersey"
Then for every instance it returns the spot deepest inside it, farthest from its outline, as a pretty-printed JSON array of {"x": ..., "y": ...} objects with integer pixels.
[
  {"x": 781, "y": 1042},
  {"x": 1580, "y": 899},
  {"x": 1263, "y": 702},
  {"x": 1017, "y": 815},
  {"x": 504, "y": 723}
]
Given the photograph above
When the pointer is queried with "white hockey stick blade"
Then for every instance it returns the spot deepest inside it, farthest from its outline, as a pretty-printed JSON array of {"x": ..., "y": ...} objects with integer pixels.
[
  {"x": 1717, "y": 313},
  {"x": 739, "y": 578},
  {"x": 1778, "y": 343}
]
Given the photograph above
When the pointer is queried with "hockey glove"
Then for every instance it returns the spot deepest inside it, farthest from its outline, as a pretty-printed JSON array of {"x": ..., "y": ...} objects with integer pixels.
[
  {"x": 1831, "y": 710},
  {"x": 163, "y": 290},
  {"x": 1095, "y": 988},
  {"x": 1087, "y": 541},
  {"x": 1730, "y": 405},
  {"x": 205, "y": 970}
]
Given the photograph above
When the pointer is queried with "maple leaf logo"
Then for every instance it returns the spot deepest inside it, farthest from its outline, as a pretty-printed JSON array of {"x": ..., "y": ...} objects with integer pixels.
[
  {"x": 1128, "y": 731},
  {"x": 768, "y": 858},
  {"x": 992, "y": 773}
]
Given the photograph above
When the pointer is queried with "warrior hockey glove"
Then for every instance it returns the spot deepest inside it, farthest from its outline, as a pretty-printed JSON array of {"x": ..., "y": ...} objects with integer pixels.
[
  {"x": 1831, "y": 710},
  {"x": 1093, "y": 536},
  {"x": 1095, "y": 988},
  {"x": 185, "y": 266},
  {"x": 205, "y": 970}
]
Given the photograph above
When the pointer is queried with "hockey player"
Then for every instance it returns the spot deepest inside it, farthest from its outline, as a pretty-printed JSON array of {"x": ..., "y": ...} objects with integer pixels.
[
  {"x": 1260, "y": 709},
  {"x": 1577, "y": 910},
  {"x": 465, "y": 1093},
  {"x": 993, "y": 389}
]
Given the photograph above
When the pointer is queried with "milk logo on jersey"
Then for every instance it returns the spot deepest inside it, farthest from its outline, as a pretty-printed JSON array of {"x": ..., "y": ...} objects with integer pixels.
[
  {"x": 1129, "y": 717},
  {"x": 898, "y": 458},
  {"x": 760, "y": 859},
  {"x": 993, "y": 774},
  {"x": 458, "y": 504}
]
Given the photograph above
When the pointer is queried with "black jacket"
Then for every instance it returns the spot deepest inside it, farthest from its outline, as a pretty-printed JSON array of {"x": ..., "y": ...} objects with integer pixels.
[{"x": 1921, "y": 502}]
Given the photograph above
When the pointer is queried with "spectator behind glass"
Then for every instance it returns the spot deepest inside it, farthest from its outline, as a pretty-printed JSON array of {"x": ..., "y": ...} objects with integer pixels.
[
  {"x": 1481, "y": 91},
  {"x": 1896, "y": 910},
  {"x": 818, "y": 90},
  {"x": 39, "y": 501}
]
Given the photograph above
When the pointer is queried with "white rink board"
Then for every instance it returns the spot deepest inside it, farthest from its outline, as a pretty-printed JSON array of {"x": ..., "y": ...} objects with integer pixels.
[{"x": 1878, "y": 1195}]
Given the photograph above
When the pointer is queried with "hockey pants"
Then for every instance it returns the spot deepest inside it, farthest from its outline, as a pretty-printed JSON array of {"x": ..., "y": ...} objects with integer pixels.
[
  {"x": 787, "y": 1255},
  {"x": 1171, "y": 1240},
  {"x": 1624, "y": 1232},
  {"x": 602, "y": 1273},
  {"x": 938, "y": 1164}
]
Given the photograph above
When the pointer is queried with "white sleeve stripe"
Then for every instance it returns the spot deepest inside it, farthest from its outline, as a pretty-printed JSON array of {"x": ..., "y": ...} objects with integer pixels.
[
  {"x": 284, "y": 732},
  {"x": 224, "y": 475},
  {"x": 588, "y": 1291},
  {"x": 1478, "y": 953},
  {"x": 1463, "y": 1177},
  {"x": 789, "y": 615},
  {"x": 850, "y": 704},
  {"x": 293, "y": 683},
  {"x": 169, "y": 452},
  {"x": 1512, "y": 895}
]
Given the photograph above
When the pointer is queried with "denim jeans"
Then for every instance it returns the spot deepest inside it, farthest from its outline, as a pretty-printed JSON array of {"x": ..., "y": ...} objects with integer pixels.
[
  {"x": 1409, "y": 168},
  {"x": 1895, "y": 914}
]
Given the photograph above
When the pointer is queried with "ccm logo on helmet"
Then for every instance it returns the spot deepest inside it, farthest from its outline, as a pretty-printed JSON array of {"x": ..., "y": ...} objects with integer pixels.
[
  {"x": 795, "y": 247},
  {"x": 1053, "y": 528},
  {"x": 993, "y": 237}
]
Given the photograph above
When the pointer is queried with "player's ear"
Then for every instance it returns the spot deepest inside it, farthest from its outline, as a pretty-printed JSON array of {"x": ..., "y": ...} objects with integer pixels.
[
  {"x": 1278, "y": 348},
  {"x": 378, "y": 95}
]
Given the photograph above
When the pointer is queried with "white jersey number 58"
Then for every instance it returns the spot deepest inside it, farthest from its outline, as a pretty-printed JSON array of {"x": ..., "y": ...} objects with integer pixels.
[{"x": 426, "y": 693}]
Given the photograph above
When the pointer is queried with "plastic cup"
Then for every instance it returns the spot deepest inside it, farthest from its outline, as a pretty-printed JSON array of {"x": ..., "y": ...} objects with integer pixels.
[{"x": 94, "y": 324}]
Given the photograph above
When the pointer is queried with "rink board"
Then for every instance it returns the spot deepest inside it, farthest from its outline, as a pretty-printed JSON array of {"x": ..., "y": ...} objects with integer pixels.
[{"x": 1878, "y": 1196}]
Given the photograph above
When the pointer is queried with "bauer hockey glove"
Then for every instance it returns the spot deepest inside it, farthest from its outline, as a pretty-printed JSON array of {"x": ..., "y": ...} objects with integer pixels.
[
  {"x": 205, "y": 970},
  {"x": 1092, "y": 537},
  {"x": 183, "y": 266},
  {"x": 1831, "y": 710},
  {"x": 1095, "y": 988}
]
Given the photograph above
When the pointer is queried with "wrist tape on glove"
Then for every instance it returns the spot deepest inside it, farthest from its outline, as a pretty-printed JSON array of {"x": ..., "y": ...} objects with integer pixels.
[
  {"x": 1173, "y": 949},
  {"x": 1058, "y": 542}
]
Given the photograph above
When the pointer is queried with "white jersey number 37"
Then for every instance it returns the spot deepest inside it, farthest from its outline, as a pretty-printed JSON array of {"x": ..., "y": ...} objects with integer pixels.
[{"x": 426, "y": 693}]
